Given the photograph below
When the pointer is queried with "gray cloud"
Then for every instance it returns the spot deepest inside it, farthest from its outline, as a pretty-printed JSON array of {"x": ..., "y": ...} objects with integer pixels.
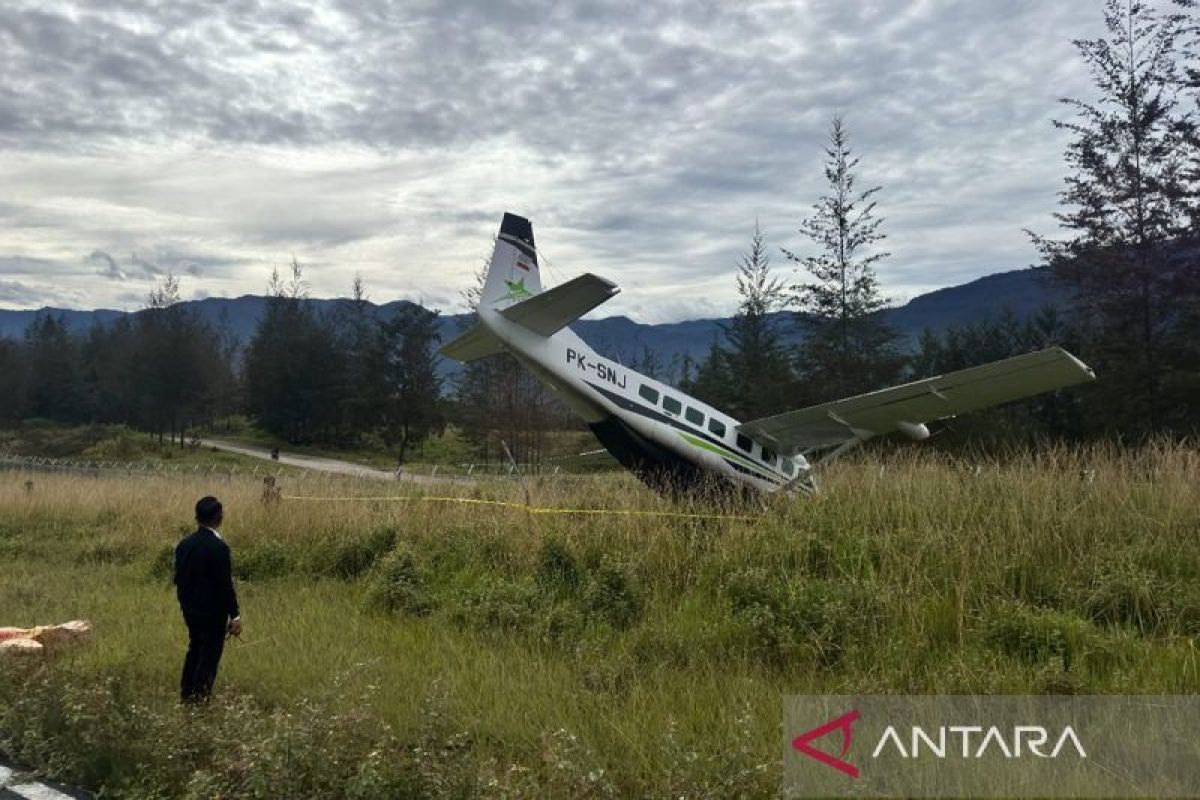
[
  {"x": 154, "y": 263},
  {"x": 18, "y": 294},
  {"x": 106, "y": 266},
  {"x": 643, "y": 139}
]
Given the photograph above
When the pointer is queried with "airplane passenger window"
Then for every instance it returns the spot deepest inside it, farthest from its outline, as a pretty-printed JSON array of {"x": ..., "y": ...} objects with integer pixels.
[
  {"x": 694, "y": 416},
  {"x": 745, "y": 443},
  {"x": 648, "y": 393},
  {"x": 672, "y": 405},
  {"x": 768, "y": 457},
  {"x": 716, "y": 426}
]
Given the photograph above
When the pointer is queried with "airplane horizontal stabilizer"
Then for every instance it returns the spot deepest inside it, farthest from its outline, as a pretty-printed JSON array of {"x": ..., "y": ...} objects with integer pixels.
[
  {"x": 473, "y": 345},
  {"x": 554, "y": 309},
  {"x": 906, "y": 408}
]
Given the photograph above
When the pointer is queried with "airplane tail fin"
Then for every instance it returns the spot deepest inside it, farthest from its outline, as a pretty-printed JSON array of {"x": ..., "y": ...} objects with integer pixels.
[{"x": 513, "y": 274}]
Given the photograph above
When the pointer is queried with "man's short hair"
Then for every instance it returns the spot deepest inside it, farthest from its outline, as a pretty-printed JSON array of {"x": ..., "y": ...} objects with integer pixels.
[{"x": 208, "y": 511}]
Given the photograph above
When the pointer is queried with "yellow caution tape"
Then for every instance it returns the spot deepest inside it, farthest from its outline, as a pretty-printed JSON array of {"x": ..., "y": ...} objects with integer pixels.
[{"x": 524, "y": 507}]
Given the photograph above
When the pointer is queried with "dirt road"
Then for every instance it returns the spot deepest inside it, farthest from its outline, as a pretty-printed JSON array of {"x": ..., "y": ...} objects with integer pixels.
[{"x": 320, "y": 464}]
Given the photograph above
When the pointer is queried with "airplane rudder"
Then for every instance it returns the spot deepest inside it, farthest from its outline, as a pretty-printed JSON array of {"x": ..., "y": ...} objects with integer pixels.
[{"x": 514, "y": 274}]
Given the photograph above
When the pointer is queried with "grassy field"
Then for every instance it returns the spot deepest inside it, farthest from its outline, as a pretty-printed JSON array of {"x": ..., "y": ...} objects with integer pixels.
[{"x": 427, "y": 648}]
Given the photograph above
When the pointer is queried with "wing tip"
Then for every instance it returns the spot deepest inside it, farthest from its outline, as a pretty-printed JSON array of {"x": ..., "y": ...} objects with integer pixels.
[{"x": 1089, "y": 374}]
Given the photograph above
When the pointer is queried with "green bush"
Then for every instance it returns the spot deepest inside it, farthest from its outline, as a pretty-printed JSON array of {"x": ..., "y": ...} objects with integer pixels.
[
  {"x": 556, "y": 568},
  {"x": 776, "y": 620},
  {"x": 262, "y": 560},
  {"x": 120, "y": 444},
  {"x": 611, "y": 596},
  {"x": 495, "y": 604},
  {"x": 354, "y": 557},
  {"x": 1042, "y": 636},
  {"x": 399, "y": 584},
  {"x": 103, "y": 734}
]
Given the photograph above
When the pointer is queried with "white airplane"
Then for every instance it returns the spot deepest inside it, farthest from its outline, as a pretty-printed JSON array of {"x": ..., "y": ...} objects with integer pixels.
[{"x": 671, "y": 440}]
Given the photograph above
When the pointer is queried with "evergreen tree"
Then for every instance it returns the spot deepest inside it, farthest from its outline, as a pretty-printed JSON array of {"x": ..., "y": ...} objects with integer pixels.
[
  {"x": 13, "y": 389},
  {"x": 365, "y": 389},
  {"x": 109, "y": 360},
  {"x": 1128, "y": 203},
  {"x": 55, "y": 386},
  {"x": 749, "y": 375},
  {"x": 848, "y": 348},
  {"x": 294, "y": 365},
  {"x": 179, "y": 367},
  {"x": 411, "y": 411},
  {"x": 759, "y": 366}
]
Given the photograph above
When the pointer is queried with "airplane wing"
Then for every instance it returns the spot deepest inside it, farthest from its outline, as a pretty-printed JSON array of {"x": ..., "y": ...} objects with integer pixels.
[
  {"x": 906, "y": 408},
  {"x": 473, "y": 345},
  {"x": 554, "y": 309}
]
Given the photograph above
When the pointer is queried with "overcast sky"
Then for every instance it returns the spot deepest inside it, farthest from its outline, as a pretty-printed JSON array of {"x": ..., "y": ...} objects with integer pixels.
[{"x": 220, "y": 139}]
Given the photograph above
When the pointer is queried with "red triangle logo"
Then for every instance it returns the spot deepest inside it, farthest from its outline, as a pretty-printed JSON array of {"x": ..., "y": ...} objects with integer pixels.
[{"x": 844, "y": 724}]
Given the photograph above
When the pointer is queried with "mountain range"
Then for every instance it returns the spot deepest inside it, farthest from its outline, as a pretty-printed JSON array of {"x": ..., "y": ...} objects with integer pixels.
[{"x": 1022, "y": 291}]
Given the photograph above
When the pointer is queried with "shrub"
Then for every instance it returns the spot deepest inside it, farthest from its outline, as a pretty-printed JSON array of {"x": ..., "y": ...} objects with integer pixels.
[
  {"x": 497, "y": 604},
  {"x": 264, "y": 559},
  {"x": 122, "y": 445},
  {"x": 556, "y": 569},
  {"x": 354, "y": 557},
  {"x": 102, "y": 734},
  {"x": 400, "y": 585},
  {"x": 611, "y": 596},
  {"x": 778, "y": 618},
  {"x": 1047, "y": 636}
]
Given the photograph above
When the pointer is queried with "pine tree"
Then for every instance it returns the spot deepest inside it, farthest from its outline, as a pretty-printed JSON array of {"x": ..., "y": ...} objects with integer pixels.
[
  {"x": 55, "y": 386},
  {"x": 294, "y": 365},
  {"x": 364, "y": 390},
  {"x": 411, "y": 409},
  {"x": 749, "y": 374},
  {"x": 13, "y": 389},
  {"x": 1128, "y": 202},
  {"x": 848, "y": 348},
  {"x": 179, "y": 366}
]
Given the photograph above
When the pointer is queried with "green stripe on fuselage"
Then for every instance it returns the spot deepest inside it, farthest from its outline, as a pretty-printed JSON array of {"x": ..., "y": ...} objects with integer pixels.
[{"x": 729, "y": 455}]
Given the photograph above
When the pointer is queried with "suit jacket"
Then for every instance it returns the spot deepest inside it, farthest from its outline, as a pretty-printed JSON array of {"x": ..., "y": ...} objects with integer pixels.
[{"x": 204, "y": 578}]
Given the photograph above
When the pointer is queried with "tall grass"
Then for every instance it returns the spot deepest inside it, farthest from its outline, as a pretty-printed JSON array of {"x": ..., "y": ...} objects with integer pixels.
[{"x": 426, "y": 648}]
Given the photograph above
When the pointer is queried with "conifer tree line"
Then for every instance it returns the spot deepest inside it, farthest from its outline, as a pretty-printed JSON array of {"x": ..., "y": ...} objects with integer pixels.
[
  {"x": 1128, "y": 254},
  {"x": 305, "y": 377},
  {"x": 1127, "y": 248}
]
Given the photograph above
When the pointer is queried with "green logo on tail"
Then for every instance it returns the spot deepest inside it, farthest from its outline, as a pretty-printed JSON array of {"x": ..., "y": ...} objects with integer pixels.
[{"x": 516, "y": 291}]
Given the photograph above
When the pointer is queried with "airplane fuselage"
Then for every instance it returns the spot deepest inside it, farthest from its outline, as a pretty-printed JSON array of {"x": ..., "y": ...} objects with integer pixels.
[{"x": 655, "y": 430}]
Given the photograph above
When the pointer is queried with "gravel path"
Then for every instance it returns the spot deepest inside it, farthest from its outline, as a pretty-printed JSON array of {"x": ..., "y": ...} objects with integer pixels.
[{"x": 333, "y": 465}]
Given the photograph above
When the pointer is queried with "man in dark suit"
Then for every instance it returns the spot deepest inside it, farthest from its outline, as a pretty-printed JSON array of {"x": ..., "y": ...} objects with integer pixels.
[{"x": 204, "y": 585}]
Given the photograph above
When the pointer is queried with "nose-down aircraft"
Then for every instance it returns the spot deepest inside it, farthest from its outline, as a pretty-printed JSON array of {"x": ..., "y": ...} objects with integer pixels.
[{"x": 669, "y": 439}]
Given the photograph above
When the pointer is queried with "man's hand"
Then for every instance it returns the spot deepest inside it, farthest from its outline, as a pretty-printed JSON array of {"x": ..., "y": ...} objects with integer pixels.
[{"x": 235, "y": 627}]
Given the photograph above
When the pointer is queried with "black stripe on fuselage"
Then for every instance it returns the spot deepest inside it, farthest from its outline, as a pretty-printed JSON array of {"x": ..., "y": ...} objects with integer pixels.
[{"x": 626, "y": 404}]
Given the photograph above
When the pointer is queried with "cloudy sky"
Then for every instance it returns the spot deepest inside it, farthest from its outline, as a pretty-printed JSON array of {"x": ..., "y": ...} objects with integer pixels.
[{"x": 220, "y": 139}]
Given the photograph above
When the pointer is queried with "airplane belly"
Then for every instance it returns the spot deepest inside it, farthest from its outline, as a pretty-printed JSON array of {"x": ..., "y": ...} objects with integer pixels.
[{"x": 657, "y": 466}]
